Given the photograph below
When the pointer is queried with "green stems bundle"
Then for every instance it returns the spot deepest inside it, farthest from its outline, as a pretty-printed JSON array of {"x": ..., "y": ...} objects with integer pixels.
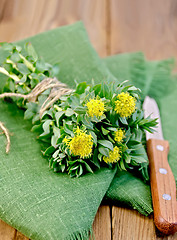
[{"x": 92, "y": 126}]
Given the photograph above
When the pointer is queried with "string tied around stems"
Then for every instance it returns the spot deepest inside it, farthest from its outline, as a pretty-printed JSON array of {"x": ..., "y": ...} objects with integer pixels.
[{"x": 57, "y": 90}]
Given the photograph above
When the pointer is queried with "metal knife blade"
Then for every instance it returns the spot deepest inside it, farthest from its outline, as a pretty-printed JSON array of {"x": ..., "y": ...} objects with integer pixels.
[
  {"x": 151, "y": 109},
  {"x": 163, "y": 186}
]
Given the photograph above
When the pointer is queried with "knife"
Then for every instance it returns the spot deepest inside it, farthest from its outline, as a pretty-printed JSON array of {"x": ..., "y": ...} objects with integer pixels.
[{"x": 163, "y": 186}]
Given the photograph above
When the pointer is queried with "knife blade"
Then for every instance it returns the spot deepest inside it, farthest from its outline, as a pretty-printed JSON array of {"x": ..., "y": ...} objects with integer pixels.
[{"x": 163, "y": 186}]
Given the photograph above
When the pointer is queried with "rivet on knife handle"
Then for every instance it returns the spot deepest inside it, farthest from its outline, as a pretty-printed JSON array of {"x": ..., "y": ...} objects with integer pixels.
[{"x": 163, "y": 186}]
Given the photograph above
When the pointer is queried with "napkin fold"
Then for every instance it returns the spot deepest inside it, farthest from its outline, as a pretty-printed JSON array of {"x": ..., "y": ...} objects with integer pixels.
[{"x": 45, "y": 205}]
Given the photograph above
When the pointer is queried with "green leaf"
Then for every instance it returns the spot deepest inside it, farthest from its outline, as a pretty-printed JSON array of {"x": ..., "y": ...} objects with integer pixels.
[
  {"x": 41, "y": 66},
  {"x": 133, "y": 88},
  {"x": 123, "y": 120},
  {"x": 56, "y": 131},
  {"x": 112, "y": 129},
  {"x": 111, "y": 139},
  {"x": 15, "y": 57},
  {"x": 106, "y": 144},
  {"x": 69, "y": 112},
  {"x": 97, "y": 89},
  {"x": 104, "y": 90},
  {"x": 62, "y": 155},
  {"x": 60, "y": 139},
  {"x": 75, "y": 100},
  {"x": 94, "y": 137},
  {"x": 56, "y": 153},
  {"x": 95, "y": 158},
  {"x": 121, "y": 162},
  {"x": 58, "y": 116},
  {"x": 144, "y": 171},
  {"x": 34, "y": 82},
  {"x": 127, "y": 158},
  {"x": 23, "y": 79},
  {"x": 37, "y": 128},
  {"x": 134, "y": 116},
  {"x": 31, "y": 51},
  {"x": 87, "y": 121},
  {"x": 54, "y": 140},
  {"x": 104, "y": 131},
  {"x": 100, "y": 157},
  {"x": 55, "y": 70},
  {"x": 46, "y": 126},
  {"x": 88, "y": 168},
  {"x": 23, "y": 69},
  {"x": 104, "y": 151},
  {"x": 67, "y": 130},
  {"x": 74, "y": 167},
  {"x": 80, "y": 110},
  {"x": 62, "y": 167},
  {"x": 133, "y": 143},
  {"x": 28, "y": 114},
  {"x": 49, "y": 151},
  {"x": 80, "y": 170},
  {"x": 138, "y": 159},
  {"x": 81, "y": 87}
]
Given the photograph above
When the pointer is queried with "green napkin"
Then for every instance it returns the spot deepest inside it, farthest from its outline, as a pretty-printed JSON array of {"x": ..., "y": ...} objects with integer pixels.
[{"x": 45, "y": 205}]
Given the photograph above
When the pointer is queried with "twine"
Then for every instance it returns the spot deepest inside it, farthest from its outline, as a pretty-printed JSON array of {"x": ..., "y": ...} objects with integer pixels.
[
  {"x": 6, "y": 132},
  {"x": 57, "y": 90}
]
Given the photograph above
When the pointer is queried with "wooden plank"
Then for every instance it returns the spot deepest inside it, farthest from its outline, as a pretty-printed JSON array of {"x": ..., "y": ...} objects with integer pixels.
[
  {"x": 6, "y": 232},
  {"x": 21, "y": 18},
  {"x": 102, "y": 224},
  {"x": 20, "y": 236},
  {"x": 148, "y": 26},
  {"x": 129, "y": 224}
]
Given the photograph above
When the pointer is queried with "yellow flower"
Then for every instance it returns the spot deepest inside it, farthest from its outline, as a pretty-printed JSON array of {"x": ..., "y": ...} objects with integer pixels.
[
  {"x": 95, "y": 107},
  {"x": 66, "y": 140},
  {"x": 119, "y": 135},
  {"x": 125, "y": 105},
  {"x": 81, "y": 144},
  {"x": 114, "y": 156}
]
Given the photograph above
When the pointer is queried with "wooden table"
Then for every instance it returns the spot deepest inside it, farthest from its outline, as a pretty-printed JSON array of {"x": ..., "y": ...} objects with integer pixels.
[{"x": 114, "y": 26}]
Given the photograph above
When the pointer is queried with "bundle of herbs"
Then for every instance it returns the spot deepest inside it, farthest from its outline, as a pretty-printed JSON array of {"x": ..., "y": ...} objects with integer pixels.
[{"x": 91, "y": 126}]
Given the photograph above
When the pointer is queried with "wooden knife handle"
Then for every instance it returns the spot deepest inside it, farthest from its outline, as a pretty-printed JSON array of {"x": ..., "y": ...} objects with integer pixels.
[{"x": 163, "y": 186}]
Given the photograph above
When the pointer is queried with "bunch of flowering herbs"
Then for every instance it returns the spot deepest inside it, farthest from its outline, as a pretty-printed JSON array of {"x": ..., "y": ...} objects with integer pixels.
[{"x": 93, "y": 126}]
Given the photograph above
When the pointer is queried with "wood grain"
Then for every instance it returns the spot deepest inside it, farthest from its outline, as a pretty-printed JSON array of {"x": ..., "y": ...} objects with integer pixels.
[
  {"x": 148, "y": 26},
  {"x": 128, "y": 224},
  {"x": 102, "y": 224},
  {"x": 20, "y": 18},
  {"x": 6, "y": 232},
  {"x": 20, "y": 236},
  {"x": 165, "y": 211}
]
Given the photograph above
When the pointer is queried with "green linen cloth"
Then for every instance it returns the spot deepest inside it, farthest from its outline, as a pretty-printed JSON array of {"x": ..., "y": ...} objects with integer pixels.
[{"x": 45, "y": 205}]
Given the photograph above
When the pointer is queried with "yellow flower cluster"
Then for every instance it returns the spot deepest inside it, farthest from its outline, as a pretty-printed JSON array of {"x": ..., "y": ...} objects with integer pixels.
[
  {"x": 114, "y": 156},
  {"x": 125, "y": 105},
  {"x": 81, "y": 144},
  {"x": 119, "y": 135},
  {"x": 95, "y": 107}
]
